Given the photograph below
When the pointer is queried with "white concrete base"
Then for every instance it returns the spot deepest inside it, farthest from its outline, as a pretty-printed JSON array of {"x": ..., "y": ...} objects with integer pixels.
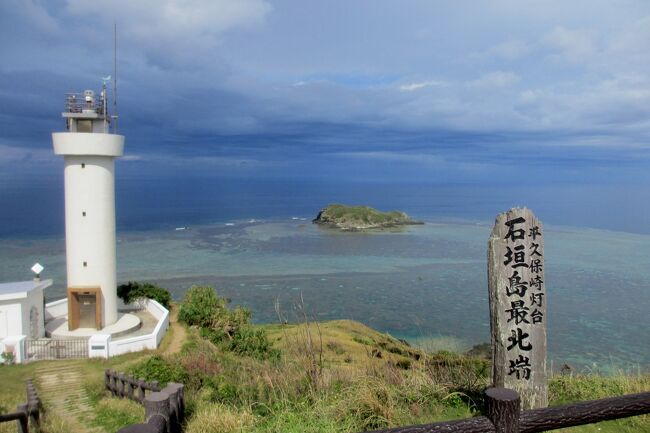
[{"x": 58, "y": 328}]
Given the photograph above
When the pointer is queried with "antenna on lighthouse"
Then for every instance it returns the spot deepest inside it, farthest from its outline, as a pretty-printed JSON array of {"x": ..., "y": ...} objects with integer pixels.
[
  {"x": 114, "y": 116},
  {"x": 104, "y": 102}
]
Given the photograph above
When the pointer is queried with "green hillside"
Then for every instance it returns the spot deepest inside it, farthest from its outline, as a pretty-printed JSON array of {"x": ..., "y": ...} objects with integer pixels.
[{"x": 337, "y": 376}]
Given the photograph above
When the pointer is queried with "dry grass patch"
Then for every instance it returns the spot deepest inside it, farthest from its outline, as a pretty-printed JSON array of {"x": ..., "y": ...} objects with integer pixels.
[{"x": 219, "y": 418}]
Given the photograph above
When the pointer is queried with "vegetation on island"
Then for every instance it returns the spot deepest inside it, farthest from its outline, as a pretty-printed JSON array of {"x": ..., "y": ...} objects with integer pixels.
[
  {"x": 306, "y": 376},
  {"x": 354, "y": 218}
]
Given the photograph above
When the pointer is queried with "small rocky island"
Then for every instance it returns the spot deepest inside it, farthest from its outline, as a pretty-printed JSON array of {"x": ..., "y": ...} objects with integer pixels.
[{"x": 357, "y": 218}]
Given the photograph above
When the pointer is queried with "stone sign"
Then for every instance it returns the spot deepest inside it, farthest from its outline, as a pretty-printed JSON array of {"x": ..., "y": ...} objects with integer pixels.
[{"x": 517, "y": 296}]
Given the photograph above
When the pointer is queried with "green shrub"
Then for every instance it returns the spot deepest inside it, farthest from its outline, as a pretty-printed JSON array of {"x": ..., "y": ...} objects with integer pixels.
[
  {"x": 133, "y": 291},
  {"x": 8, "y": 358},
  {"x": 228, "y": 328},
  {"x": 223, "y": 391},
  {"x": 200, "y": 306},
  {"x": 157, "y": 368},
  {"x": 252, "y": 342}
]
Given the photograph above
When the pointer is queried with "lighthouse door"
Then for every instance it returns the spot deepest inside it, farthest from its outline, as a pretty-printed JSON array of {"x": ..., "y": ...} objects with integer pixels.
[
  {"x": 87, "y": 310},
  {"x": 84, "y": 308}
]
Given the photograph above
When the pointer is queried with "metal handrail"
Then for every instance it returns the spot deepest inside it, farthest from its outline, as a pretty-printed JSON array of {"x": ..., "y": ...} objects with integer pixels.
[{"x": 76, "y": 103}]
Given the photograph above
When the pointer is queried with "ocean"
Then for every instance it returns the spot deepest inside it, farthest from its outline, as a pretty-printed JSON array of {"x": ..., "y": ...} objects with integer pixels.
[{"x": 254, "y": 242}]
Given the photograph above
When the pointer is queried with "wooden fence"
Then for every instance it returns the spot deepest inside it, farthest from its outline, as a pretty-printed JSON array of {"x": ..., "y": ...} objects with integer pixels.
[
  {"x": 164, "y": 409},
  {"x": 164, "y": 412},
  {"x": 26, "y": 414},
  {"x": 504, "y": 416},
  {"x": 121, "y": 385}
]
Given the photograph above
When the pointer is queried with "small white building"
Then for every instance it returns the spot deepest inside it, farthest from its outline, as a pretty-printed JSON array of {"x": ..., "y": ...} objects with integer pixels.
[{"x": 21, "y": 308}]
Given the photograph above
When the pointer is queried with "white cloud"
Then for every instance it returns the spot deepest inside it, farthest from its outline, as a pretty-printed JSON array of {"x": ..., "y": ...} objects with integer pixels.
[
  {"x": 630, "y": 49},
  {"x": 509, "y": 50},
  {"x": 494, "y": 80},
  {"x": 180, "y": 18},
  {"x": 14, "y": 12},
  {"x": 13, "y": 154},
  {"x": 410, "y": 87},
  {"x": 174, "y": 28},
  {"x": 573, "y": 45},
  {"x": 418, "y": 158}
]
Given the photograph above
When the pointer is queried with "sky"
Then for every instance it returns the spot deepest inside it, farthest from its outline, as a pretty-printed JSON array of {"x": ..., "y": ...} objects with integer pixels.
[{"x": 466, "y": 92}]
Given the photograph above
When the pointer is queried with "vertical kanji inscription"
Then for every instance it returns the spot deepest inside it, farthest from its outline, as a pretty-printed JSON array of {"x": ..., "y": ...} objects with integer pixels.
[{"x": 517, "y": 296}]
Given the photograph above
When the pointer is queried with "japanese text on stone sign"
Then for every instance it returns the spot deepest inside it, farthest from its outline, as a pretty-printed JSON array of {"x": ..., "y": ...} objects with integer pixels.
[{"x": 524, "y": 262}]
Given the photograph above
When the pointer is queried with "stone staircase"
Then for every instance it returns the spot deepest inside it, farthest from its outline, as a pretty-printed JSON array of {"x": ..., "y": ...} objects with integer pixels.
[{"x": 60, "y": 387}]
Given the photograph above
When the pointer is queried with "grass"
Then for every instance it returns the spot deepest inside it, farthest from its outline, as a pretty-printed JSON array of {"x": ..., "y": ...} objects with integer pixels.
[
  {"x": 112, "y": 414},
  {"x": 357, "y": 390},
  {"x": 338, "y": 376},
  {"x": 575, "y": 388},
  {"x": 14, "y": 393}
]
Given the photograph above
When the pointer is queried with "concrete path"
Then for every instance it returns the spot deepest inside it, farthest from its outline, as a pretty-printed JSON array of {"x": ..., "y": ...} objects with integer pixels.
[{"x": 60, "y": 386}]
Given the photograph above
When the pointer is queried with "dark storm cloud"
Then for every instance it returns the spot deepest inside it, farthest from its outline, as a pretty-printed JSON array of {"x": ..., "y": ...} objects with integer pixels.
[{"x": 283, "y": 88}]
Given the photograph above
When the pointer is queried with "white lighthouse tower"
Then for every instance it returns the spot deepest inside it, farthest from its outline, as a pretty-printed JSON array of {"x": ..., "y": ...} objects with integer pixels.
[{"x": 89, "y": 151}]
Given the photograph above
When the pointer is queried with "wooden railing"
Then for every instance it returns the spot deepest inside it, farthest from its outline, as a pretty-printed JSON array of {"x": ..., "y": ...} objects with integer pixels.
[
  {"x": 26, "y": 414},
  {"x": 164, "y": 409},
  {"x": 121, "y": 385},
  {"x": 164, "y": 412},
  {"x": 504, "y": 416}
]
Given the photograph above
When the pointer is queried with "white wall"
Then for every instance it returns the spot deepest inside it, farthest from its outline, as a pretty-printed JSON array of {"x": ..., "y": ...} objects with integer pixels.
[
  {"x": 90, "y": 237},
  {"x": 4, "y": 323},
  {"x": 118, "y": 347},
  {"x": 99, "y": 346},
  {"x": 13, "y": 317},
  {"x": 56, "y": 309},
  {"x": 34, "y": 299},
  {"x": 149, "y": 341},
  {"x": 89, "y": 188},
  {"x": 162, "y": 314}
]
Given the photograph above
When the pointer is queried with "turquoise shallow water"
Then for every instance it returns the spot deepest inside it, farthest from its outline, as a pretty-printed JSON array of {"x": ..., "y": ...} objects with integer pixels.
[{"x": 425, "y": 283}]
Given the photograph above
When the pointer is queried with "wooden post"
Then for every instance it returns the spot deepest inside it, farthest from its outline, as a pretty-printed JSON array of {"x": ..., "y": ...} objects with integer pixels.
[
  {"x": 155, "y": 386},
  {"x": 176, "y": 405},
  {"x": 131, "y": 384},
  {"x": 109, "y": 382},
  {"x": 172, "y": 391},
  {"x": 157, "y": 424},
  {"x": 114, "y": 384},
  {"x": 122, "y": 386},
  {"x": 503, "y": 407},
  {"x": 22, "y": 422},
  {"x": 107, "y": 379},
  {"x": 33, "y": 413},
  {"x": 517, "y": 295},
  {"x": 33, "y": 405},
  {"x": 157, "y": 404},
  {"x": 181, "y": 403},
  {"x": 141, "y": 390}
]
